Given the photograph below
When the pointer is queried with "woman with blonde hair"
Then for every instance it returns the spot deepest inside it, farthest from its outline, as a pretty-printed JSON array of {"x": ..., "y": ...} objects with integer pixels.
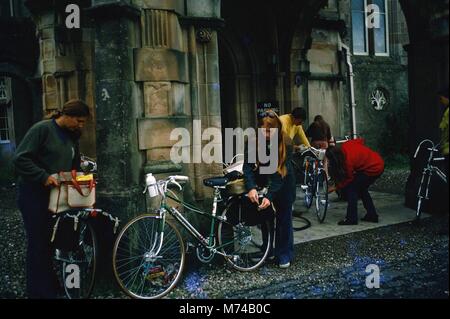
[{"x": 280, "y": 184}]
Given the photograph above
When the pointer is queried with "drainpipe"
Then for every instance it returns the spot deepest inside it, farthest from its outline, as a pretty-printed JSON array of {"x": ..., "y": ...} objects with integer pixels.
[{"x": 351, "y": 85}]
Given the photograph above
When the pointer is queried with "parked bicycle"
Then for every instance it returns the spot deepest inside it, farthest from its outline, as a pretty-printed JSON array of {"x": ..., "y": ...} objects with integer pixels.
[
  {"x": 314, "y": 181},
  {"x": 76, "y": 246},
  {"x": 427, "y": 173},
  {"x": 149, "y": 253}
]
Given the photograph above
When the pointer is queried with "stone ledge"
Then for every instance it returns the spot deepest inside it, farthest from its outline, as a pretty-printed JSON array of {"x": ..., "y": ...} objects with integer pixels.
[{"x": 162, "y": 167}]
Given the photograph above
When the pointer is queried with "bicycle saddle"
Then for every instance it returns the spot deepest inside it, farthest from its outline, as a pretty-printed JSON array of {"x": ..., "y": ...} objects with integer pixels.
[{"x": 216, "y": 182}]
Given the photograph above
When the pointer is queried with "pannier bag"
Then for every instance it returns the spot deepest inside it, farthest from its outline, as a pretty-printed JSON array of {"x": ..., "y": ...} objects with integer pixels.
[
  {"x": 251, "y": 215},
  {"x": 75, "y": 190}
]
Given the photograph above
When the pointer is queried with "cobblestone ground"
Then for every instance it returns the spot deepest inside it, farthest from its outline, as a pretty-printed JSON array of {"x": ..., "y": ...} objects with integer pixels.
[{"x": 413, "y": 262}]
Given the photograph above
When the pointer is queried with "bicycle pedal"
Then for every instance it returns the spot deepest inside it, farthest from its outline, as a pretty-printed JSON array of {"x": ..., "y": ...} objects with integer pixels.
[{"x": 190, "y": 246}]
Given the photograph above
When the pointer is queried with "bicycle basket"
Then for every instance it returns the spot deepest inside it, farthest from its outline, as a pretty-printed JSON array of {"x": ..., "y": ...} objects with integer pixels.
[{"x": 236, "y": 187}]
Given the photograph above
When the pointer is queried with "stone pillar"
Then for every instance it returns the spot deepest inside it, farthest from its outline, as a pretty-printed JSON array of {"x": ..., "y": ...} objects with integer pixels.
[
  {"x": 202, "y": 20},
  {"x": 118, "y": 105},
  {"x": 66, "y": 67},
  {"x": 161, "y": 70}
]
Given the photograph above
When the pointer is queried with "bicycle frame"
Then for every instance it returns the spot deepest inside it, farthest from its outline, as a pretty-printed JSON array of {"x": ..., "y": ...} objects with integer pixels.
[
  {"x": 208, "y": 243},
  {"x": 427, "y": 172}
]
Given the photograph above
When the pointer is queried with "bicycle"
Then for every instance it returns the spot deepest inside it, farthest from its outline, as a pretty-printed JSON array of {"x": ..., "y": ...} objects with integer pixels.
[
  {"x": 149, "y": 253},
  {"x": 76, "y": 253},
  {"x": 427, "y": 173},
  {"x": 315, "y": 181}
]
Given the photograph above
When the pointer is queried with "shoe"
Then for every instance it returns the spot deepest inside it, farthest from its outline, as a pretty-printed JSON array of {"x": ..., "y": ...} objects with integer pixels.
[
  {"x": 284, "y": 266},
  {"x": 346, "y": 222},
  {"x": 370, "y": 218}
]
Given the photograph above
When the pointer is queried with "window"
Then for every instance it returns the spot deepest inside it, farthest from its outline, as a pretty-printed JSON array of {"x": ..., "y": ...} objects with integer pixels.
[
  {"x": 5, "y": 99},
  {"x": 381, "y": 43},
  {"x": 360, "y": 34},
  {"x": 370, "y": 38},
  {"x": 4, "y": 127}
]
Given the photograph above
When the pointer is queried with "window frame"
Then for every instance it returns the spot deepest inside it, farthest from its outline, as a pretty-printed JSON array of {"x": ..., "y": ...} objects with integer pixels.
[
  {"x": 386, "y": 33},
  {"x": 370, "y": 34},
  {"x": 366, "y": 31}
]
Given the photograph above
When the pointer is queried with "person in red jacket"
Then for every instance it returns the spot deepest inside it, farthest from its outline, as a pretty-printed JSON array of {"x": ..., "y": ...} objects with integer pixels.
[{"x": 354, "y": 167}]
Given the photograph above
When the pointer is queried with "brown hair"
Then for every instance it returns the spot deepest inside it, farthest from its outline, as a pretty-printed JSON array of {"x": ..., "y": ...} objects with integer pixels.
[
  {"x": 73, "y": 108},
  {"x": 336, "y": 164}
]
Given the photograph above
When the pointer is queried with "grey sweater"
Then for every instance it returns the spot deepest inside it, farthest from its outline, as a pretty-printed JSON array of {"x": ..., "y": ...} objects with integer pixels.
[{"x": 46, "y": 149}]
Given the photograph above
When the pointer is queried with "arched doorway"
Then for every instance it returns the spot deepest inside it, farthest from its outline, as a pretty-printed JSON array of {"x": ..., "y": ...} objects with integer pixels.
[{"x": 255, "y": 50}]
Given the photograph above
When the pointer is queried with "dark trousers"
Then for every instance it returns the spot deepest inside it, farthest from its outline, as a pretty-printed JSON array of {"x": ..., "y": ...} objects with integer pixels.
[
  {"x": 41, "y": 278},
  {"x": 359, "y": 188},
  {"x": 284, "y": 231}
]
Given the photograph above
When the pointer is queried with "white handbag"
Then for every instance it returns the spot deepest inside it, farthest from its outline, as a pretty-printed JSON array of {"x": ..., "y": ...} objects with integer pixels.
[{"x": 71, "y": 193}]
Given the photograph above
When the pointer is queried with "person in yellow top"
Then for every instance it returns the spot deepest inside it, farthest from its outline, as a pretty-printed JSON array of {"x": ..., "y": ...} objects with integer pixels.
[{"x": 292, "y": 127}]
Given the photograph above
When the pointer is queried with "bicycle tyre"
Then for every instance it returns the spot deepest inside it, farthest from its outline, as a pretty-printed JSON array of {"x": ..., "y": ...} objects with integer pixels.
[
  {"x": 85, "y": 257},
  {"x": 321, "y": 196},
  {"x": 309, "y": 182},
  {"x": 131, "y": 257},
  {"x": 251, "y": 238}
]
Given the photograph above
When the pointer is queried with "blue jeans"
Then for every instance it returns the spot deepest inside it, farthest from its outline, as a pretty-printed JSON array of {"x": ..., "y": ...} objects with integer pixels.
[
  {"x": 284, "y": 232},
  {"x": 41, "y": 278}
]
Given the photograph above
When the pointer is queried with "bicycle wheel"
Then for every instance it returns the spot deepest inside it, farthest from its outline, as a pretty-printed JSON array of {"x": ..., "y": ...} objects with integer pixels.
[
  {"x": 321, "y": 196},
  {"x": 148, "y": 257},
  {"x": 76, "y": 269},
  {"x": 308, "y": 186},
  {"x": 246, "y": 247}
]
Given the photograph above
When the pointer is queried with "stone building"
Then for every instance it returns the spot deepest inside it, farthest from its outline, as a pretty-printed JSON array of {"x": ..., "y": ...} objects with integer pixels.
[{"x": 149, "y": 66}]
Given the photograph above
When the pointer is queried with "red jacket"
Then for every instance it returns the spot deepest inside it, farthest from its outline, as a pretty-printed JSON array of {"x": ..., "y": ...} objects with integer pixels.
[{"x": 360, "y": 158}]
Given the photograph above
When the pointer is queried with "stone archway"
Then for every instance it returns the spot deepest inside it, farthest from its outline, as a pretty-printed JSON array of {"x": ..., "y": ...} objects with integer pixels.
[{"x": 428, "y": 54}]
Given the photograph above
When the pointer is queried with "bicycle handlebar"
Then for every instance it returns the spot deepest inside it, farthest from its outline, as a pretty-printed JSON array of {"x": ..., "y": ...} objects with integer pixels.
[
  {"x": 318, "y": 153},
  {"x": 179, "y": 178},
  {"x": 432, "y": 149}
]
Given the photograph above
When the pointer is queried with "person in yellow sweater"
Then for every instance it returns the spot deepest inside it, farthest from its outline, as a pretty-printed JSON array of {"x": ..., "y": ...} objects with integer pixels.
[{"x": 292, "y": 127}]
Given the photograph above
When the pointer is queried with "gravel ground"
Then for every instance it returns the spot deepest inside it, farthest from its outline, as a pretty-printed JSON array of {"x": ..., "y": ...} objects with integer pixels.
[{"x": 413, "y": 262}]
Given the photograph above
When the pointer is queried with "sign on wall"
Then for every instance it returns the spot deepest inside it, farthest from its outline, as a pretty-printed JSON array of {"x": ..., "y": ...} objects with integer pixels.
[{"x": 263, "y": 107}]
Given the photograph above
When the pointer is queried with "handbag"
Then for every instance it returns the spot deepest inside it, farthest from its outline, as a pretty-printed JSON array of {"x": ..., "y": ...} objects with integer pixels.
[{"x": 71, "y": 193}]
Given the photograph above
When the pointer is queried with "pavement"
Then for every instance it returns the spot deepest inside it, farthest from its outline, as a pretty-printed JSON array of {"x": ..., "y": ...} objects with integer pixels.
[{"x": 389, "y": 206}]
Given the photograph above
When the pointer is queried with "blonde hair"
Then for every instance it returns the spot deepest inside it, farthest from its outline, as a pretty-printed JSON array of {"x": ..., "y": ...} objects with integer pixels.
[{"x": 283, "y": 141}]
